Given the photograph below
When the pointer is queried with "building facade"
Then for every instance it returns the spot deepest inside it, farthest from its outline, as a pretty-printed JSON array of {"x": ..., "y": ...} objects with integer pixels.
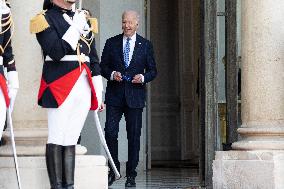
[{"x": 193, "y": 107}]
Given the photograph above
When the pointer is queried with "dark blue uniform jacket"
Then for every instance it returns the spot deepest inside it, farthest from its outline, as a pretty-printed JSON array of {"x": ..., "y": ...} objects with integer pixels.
[{"x": 58, "y": 77}]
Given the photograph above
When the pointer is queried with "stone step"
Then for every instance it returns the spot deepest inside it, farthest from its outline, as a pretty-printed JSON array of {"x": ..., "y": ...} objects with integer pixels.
[
  {"x": 35, "y": 150},
  {"x": 91, "y": 172},
  {"x": 29, "y": 142},
  {"x": 29, "y": 136}
]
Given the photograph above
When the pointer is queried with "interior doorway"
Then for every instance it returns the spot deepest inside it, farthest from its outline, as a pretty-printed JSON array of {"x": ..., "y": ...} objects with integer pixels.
[
  {"x": 184, "y": 122},
  {"x": 174, "y": 29}
]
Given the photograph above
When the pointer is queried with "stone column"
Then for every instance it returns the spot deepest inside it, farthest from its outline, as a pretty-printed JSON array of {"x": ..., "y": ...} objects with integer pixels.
[
  {"x": 258, "y": 159},
  {"x": 262, "y": 76},
  {"x": 30, "y": 121}
]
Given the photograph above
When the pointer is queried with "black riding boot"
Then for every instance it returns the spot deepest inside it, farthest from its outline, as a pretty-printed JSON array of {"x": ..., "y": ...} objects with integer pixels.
[
  {"x": 68, "y": 167},
  {"x": 54, "y": 165}
]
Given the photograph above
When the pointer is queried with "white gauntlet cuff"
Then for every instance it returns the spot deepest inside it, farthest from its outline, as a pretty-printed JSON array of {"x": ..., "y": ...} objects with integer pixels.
[
  {"x": 13, "y": 80},
  {"x": 72, "y": 36},
  {"x": 98, "y": 84}
]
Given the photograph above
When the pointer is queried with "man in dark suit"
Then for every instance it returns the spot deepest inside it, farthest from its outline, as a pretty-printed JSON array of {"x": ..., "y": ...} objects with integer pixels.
[{"x": 128, "y": 64}]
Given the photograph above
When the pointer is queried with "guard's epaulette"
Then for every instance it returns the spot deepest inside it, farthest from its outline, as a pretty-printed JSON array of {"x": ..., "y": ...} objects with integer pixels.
[
  {"x": 38, "y": 23},
  {"x": 94, "y": 25}
]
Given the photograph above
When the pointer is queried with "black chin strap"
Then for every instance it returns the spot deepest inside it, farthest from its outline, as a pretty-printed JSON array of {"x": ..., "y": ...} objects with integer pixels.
[
  {"x": 47, "y": 4},
  {"x": 68, "y": 1}
]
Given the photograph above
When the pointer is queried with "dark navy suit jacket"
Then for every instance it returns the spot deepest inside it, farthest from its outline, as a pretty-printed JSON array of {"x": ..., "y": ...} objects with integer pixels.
[{"x": 142, "y": 62}]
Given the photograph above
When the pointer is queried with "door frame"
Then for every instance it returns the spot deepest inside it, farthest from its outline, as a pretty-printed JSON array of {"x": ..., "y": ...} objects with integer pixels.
[
  {"x": 183, "y": 128},
  {"x": 148, "y": 153},
  {"x": 208, "y": 90}
]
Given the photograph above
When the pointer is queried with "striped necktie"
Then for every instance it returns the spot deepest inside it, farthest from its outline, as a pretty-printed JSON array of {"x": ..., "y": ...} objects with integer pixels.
[{"x": 126, "y": 51}]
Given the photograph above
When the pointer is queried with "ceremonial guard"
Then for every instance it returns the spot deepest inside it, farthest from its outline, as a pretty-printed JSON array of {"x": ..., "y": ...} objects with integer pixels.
[
  {"x": 9, "y": 82},
  {"x": 71, "y": 84}
]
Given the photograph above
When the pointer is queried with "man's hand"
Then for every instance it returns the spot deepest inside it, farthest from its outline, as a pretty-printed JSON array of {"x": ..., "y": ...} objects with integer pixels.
[
  {"x": 137, "y": 78},
  {"x": 117, "y": 76},
  {"x": 101, "y": 107}
]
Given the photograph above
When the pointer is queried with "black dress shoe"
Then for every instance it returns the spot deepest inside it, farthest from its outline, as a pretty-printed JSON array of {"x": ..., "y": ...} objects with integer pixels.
[
  {"x": 111, "y": 178},
  {"x": 130, "y": 182}
]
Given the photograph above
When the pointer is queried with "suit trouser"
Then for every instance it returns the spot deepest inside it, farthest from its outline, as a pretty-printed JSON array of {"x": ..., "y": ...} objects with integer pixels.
[{"x": 133, "y": 118}]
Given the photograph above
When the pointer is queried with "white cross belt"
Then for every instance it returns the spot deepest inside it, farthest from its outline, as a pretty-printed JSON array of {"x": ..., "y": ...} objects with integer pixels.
[{"x": 68, "y": 58}]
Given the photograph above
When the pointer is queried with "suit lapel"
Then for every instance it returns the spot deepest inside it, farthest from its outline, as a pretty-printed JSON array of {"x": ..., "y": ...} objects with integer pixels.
[
  {"x": 119, "y": 47},
  {"x": 138, "y": 45}
]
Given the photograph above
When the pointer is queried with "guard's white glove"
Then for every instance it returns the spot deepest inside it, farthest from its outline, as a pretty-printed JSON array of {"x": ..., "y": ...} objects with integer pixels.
[
  {"x": 80, "y": 22},
  {"x": 13, "y": 86},
  {"x": 78, "y": 26},
  {"x": 98, "y": 84},
  {"x": 4, "y": 8}
]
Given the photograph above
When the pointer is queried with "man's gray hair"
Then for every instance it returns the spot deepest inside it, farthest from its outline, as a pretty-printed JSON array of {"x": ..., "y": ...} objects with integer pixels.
[{"x": 133, "y": 12}]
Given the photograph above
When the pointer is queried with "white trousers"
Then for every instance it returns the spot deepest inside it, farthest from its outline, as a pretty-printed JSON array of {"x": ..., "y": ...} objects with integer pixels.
[
  {"x": 3, "y": 111},
  {"x": 66, "y": 122}
]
